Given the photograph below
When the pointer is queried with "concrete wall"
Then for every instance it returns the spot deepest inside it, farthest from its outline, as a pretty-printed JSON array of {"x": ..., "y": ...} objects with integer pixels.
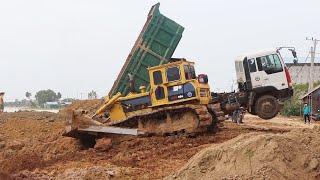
[{"x": 300, "y": 72}]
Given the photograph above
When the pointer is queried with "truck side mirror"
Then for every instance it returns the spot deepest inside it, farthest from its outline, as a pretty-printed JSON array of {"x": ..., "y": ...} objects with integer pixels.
[{"x": 294, "y": 54}]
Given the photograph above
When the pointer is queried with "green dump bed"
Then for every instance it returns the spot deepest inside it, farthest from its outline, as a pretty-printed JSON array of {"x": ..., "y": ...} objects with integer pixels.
[{"x": 155, "y": 45}]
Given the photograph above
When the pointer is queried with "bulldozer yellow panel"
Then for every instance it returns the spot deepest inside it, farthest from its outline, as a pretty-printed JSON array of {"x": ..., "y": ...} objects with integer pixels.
[
  {"x": 108, "y": 104},
  {"x": 116, "y": 113}
]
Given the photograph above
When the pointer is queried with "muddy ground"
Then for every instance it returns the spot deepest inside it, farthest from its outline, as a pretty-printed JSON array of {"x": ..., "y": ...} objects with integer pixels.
[{"x": 32, "y": 147}]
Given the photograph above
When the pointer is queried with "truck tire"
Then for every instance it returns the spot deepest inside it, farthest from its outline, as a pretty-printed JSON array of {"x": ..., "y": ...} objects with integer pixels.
[{"x": 267, "y": 107}]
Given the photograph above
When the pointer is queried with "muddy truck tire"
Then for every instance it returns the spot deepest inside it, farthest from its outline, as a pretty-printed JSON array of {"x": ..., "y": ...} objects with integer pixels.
[{"x": 267, "y": 107}]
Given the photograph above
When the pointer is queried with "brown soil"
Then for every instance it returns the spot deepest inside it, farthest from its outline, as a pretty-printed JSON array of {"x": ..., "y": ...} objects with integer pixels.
[
  {"x": 87, "y": 105},
  {"x": 32, "y": 147},
  {"x": 292, "y": 155}
]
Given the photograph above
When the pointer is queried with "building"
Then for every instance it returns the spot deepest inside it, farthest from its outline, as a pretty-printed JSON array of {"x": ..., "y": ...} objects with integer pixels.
[
  {"x": 51, "y": 105},
  {"x": 300, "y": 72},
  {"x": 313, "y": 99}
]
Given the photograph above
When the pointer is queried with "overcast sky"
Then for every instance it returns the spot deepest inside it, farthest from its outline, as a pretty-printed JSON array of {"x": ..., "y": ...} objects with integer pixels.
[{"x": 74, "y": 46}]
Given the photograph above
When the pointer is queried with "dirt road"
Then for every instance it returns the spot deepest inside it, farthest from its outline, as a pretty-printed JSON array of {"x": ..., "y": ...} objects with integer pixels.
[{"x": 34, "y": 142}]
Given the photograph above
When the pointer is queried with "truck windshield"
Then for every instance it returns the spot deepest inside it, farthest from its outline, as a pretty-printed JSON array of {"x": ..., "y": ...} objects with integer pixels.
[{"x": 270, "y": 64}]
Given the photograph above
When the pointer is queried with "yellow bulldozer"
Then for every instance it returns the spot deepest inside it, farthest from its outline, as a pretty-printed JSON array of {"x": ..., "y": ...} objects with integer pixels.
[{"x": 178, "y": 101}]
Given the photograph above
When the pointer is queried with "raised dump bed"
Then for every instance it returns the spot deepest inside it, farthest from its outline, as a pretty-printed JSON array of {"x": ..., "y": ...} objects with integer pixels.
[{"x": 155, "y": 45}]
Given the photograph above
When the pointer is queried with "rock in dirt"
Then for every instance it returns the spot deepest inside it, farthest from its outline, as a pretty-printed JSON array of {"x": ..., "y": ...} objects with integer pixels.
[
  {"x": 51, "y": 119},
  {"x": 314, "y": 164},
  {"x": 293, "y": 155},
  {"x": 2, "y": 145},
  {"x": 103, "y": 144},
  {"x": 15, "y": 145},
  {"x": 2, "y": 138}
]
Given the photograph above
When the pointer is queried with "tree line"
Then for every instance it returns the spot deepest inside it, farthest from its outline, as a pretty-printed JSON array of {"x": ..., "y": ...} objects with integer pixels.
[{"x": 44, "y": 96}]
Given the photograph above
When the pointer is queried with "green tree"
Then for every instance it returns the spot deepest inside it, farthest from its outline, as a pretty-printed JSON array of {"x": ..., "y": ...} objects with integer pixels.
[
  {"x": 92, "y": 95},
  {"x": 293, "y": 106},
  {"x": 44, "y": 96},
  {"x": 28, "y": 95}
]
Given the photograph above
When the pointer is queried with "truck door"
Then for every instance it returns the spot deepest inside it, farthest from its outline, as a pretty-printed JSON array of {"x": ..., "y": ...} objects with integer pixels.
[
  {"x": 159, "y": 93},
  {"x": 256, "y": 76},
  {"x": 272, "y": 68}
]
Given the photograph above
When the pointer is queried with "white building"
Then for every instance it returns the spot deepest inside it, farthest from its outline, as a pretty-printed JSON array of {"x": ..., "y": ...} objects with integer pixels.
[
  {"x": 51, "y": 105},
  {"x": 300, "y": 72}
]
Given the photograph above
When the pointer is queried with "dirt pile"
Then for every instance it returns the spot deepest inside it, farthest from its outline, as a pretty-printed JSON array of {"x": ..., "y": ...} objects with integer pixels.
[
  {"x": 92, "y": 172},
  {"x": 27, "y": 115},
  {"x": 32, "y": 147},
  {"x": 88, "y": 105},
  {"x": 293, "y": 155},
  {"x": 39, "y": 151},
  {"x": 33, "y": 140}
]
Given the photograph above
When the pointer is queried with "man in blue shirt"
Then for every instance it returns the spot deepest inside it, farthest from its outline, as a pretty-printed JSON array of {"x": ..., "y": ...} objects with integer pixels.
[{"x": 306, "y": 113}]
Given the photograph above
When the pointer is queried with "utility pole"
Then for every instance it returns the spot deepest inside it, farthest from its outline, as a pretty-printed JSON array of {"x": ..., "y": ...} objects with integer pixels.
[{"x": 313, "y": 55}]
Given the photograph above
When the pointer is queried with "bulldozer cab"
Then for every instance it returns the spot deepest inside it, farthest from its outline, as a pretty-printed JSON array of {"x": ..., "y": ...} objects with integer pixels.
[{"x": 176, "y": 82}]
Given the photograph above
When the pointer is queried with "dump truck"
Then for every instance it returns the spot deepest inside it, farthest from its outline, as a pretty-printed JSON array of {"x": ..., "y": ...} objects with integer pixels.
[
  {"x": 157, "y": 94},
  {"x": 155, "y": 45}
]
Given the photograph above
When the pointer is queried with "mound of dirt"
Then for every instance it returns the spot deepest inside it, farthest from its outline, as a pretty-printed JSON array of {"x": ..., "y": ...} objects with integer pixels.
[
  {"x": 27, "y": 115},
  {"x": 88, "y": 105},
  {"x": 91, "y": 172},
  {"x": 103, "y": 172},
  {"x": 32, "y": 140},
  {"x": 31, "y": 147},
  {"x": 293, "y": 155}
]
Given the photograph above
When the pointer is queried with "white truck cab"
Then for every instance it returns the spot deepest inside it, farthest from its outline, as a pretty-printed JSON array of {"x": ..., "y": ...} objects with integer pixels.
[{"x": 265, "y": 79}]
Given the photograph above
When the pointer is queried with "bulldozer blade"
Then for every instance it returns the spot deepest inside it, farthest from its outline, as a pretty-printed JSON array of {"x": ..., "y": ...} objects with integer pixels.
[
  {"x": 79, "y": 123},
  {"x": 78, "y": 119},
  {"x": 111, "y": 130}
]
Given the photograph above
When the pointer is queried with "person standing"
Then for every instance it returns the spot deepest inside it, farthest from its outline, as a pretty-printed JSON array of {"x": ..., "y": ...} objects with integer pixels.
[
  {"x": 306, "y": 113},
  {"x": 1, "y": 102}
]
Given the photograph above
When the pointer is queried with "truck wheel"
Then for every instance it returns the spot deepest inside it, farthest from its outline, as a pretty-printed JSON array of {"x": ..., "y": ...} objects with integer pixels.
[{"x": 267, "y": 107}]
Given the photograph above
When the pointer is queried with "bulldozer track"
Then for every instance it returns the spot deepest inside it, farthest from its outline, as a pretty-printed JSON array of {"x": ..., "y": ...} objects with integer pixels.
[
  {"x": 216, "y": 111},
  {"x": 180, "y": 119}
]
